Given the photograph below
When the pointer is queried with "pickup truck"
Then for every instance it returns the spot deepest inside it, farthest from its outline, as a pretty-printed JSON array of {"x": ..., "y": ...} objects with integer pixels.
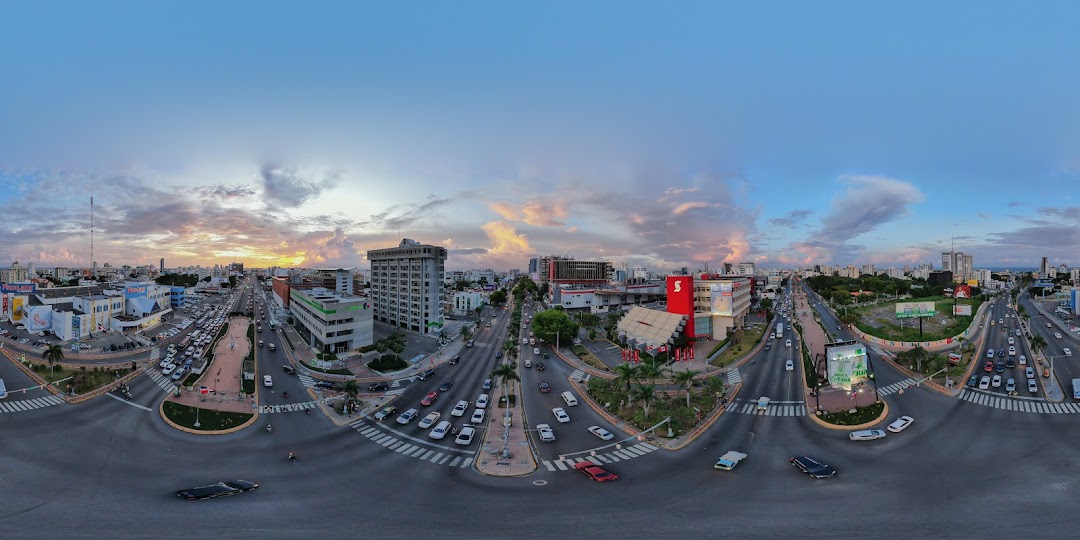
[{"x": 729, "y": 460}]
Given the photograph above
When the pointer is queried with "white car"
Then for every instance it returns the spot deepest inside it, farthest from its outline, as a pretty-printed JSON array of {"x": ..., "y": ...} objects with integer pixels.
[
  {"x": 1057, "y": 335},
  {"x": 428, "y": 420},
  {"x": 560, "y": 415},
  {"x": 604, "y": 434},
  {"x": 440, "y": 430},
  {"x": 789, "y": 365},
  {"x": 268, "y": 381},
  {"x": 166, "y": 361},
  {"x": 168, "y": 369},
  {"x": 460, "y": 408},
  {"x": 1067, "y": 351},
  {"x": 407, "y": 416},
  {"x": 996, "y": 381},
  {"x": 984, "y": 383},
  {"x": 524, "y": 340},
  {"x": 477, "y": 416},
  {"x": 465, "y": 436},
  {"x": 900, "y": 424},
  {"x": 1023, "y": 360},
  {"x": 482, "y": 401},
  {"x": 866, "y": 435},
  {"x": 546, "y": 433},
  {"x": 536, "y": 350},
  {"x": 1033, "y": 387}
]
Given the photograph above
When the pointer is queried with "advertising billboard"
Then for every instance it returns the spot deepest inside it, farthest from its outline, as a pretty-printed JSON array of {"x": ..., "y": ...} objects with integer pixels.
[
  {"x": 911, "y": 310},
  {"x": 38, "y": 318},
  {"x": 4, "y": 307},
  {"x": 846, "y": 365},
  {"x": 138, "y": 290},
  {"x": 76, "y": 326},
  {"x": 680, "y": 299},
  {"x": 973, "y": 283},
  {"x": 16, "y": 308},
  {"x": 962, "y": 291},
  {"x": 18, "y": 288},
  {"x": 961, "y": 311},
  {"x": 721, "y": 299}
]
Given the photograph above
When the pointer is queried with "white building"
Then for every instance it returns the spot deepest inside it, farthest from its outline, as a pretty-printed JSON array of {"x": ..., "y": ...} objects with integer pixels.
[
  {"x": 333, "y": 322},
  {"x": 744, "y": 269},
  {"x": 465, "y": 302},
  {"x": 407, "y": 285},
  {"x": 720, "y": 305}
]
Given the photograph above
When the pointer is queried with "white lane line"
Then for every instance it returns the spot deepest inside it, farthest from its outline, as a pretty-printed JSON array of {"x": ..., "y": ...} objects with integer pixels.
[
  {"x": 550, "y": 467},
  {"x": 404, "y": 448},
  {"x": 466, "y": 463},
  {"x": 561, "y": 465},
  {"x": 455, "y": 461},
  {"x": 428, "y": 454},
  {"x": 437, "y": 457}
]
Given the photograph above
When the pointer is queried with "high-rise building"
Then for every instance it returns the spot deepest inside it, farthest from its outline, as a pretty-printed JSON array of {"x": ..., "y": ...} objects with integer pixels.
[
  {"x": 407, "y": 285},
  {"x": 534, "y": 265},
  {"x": 867, "y": 269},
  {"x": 744, "y": 269},
  {"x": 1044, "y": 267},
  {"x": 334, "y": 322},
  {"x": 960, "y": 264},
  {"x": 161, "y": 264},
  {"x": 572, "y": 271}
]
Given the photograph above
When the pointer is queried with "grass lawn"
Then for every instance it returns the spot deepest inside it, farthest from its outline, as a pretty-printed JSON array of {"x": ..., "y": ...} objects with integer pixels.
[
  {"x": 880, "y": 320},
  {"x": 581, "y": 352},
  {"x": 746, "y": 342},
  {"x": 613, "y": 397},
  {"x": 85, "y": 379},
  {"x": 209, "y": 419},
  {"x": 861, "y": 415}
]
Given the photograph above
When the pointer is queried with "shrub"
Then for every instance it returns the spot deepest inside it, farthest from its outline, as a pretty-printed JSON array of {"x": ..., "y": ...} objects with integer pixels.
[{"x": 388, "y": 362}]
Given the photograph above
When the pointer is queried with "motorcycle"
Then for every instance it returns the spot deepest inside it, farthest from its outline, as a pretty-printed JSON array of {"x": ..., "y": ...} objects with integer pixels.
[
  {"x": 292, "y": 456},
  {"x": 269, "y": 428},
  {"x": 307, "y": 411},
  {"x": 285, "y": 394}
]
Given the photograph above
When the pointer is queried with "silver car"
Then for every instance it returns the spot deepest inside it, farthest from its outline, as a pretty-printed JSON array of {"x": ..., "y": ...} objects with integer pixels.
[{"x": 866, "y": 435}]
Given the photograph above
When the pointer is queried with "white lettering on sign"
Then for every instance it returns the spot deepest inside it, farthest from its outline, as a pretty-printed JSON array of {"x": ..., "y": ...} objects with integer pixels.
[{"x": 678, "y": 285}]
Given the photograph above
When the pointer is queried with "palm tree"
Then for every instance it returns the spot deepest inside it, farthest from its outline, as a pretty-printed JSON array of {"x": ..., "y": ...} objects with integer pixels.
[
  {"x": 53, "y": 354},
  {"x": 504, "y": 374},
  {"x": 686, "y": 380},
  {"x": 650, "y": 371},
  {"x": 1038, "y": 343},
  {"x": 645, "y": 394},
  {"x": 626, "y": 373}
]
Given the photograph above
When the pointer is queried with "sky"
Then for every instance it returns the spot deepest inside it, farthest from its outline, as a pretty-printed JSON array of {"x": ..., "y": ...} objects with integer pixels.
[{"x": 647, "y": 133}]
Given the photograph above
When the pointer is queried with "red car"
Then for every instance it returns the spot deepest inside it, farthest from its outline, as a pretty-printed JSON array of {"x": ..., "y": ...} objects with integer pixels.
[
  {"x": 595, "y": 472},
  {"x": 429, "y": 399},
  {"x": 989, "y": 366}
]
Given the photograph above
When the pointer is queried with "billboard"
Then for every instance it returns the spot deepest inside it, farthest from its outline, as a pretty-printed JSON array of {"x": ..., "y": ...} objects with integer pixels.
[
  {"x": 961, "y": 311},
  {"x": 846, "y": 365},
  {"x": 138, "y": 290},
  {"x": 721, "y": 299},
  {"x": 4, "y": 307},
  {"x": 489, "y": 286},
  {"x": 76, "y": 326},
  {"x": 16, "y": 308},
  {"x": 962, "y": 291},
  {"x": 680, "y": 299},
  {"x": 973, "y": 283},
  {"x": 18, "y": 288},
  {"x": 38, "y": 318},
  {"x": 911, "y": 310}
]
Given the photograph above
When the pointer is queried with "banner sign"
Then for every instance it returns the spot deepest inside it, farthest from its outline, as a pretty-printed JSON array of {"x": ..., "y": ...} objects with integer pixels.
[
  {"x": 960, "y": 310},
  {"x": 721, "y": 299},
  {"x": 846, "y": 365},
  {"x": 139, "y": 290},
  {"x": 18, "y": 288}
]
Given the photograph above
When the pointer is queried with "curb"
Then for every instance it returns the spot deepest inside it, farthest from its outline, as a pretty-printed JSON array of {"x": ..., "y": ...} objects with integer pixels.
[
  {"x": 178, "y": 427},
  {"x": 822, "y": 423},
  {"x": 713, "y": 418}
]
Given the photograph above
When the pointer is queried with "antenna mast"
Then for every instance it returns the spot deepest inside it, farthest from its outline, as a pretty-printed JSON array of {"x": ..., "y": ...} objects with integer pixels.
[{"x": 91, "y": 237}]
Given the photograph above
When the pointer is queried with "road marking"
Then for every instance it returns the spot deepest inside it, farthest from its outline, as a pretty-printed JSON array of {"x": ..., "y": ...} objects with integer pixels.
[
  {"x": 623, "y": 454},
  {"x": 466, "y": 463},
  {"x": 388, "y": 441},
  {"x": 604, "y": 458},
  {"x": 561, "y": 465},
  {"x": 428, "y": 454},
  {"x": 457, "y": 459},
  {"x": 405, "y": 447},
  {"x": 419, "y": 450},
  {"x": 647, "y": 445},
  {"x": 122, "y": 400},
  {"x": 436, "y": 457},
  {"x": 550, "y": 467}
]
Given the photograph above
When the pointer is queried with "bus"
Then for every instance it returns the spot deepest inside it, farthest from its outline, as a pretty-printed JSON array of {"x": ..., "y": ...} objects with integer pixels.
[
  {"x": 3, "y": 389},
  {"x": 195, "y": 334},
  {"x": 779, "y": 330},
  {"x": 184, "y": 343}
]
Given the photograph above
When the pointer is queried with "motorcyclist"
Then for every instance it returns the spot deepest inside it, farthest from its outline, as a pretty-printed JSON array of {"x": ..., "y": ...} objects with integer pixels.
[
  {"x": 286, "y": 394},
  {"x": 269, "y": 427},
  {"x": 292, "y": 456}
]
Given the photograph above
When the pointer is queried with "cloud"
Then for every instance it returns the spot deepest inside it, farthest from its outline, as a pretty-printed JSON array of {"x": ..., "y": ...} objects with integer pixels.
[
  {"x": 572, "y": 229},
  {"x": 505, "y": 210},
  {"x": 792, "y": 219},
  {"x": 505, "y": 239},
  {"x": 1015, "y": 204},
  {"x": 226, "y": 192},
  {"x": 533, "y": 212},
  {"x": 289, "y": 189},
  {"x": 685, "y": 207}
]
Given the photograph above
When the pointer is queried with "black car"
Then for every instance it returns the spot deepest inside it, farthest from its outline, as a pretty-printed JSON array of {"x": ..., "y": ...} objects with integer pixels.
[
  {"x": 324, "y": 384},
  {"x": 544, "y": 387},
  {"x": 376, "y": 386},
  {"x": 812, "y": 467},
  {"x": 455, "y": 360},
  {"x": 539, "y": 366},
  {"x": 1010, "y": 362},
  {"x": 446, "y": 385},
  {"x": 289, "y": 369},
  {"x": 498, "y": 354},
  {"x": 973, "y": 381},
  {"x": 220, "y": 489},
  {"x": 768, "y": 346},
  {"x": 426, "y": 375},
  {"x": 1001, "y": 352},
  {"x": 999, "y": 367}
]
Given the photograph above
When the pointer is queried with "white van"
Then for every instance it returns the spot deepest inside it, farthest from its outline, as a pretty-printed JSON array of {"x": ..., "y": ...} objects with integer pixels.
[{"x": 569, "y": 399}]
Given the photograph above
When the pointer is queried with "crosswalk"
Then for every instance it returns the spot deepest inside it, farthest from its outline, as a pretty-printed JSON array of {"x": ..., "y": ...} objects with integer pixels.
[
  {"x": 775, "y": 408},
  {"x": 414, "y": 447},
  {"x": 306, "y": 380},
  {"x": 164, "y": 381},
  {"x": 29, "y": 404},
  {"x": 580, "y": 376},
  {"x": 291, "y": 407},
  {"x": 734, "y": 377},
  {"x": 614, "y": 456},
  {"x": 1018, "y": 404},
  {"x": 896, "y": 387}
]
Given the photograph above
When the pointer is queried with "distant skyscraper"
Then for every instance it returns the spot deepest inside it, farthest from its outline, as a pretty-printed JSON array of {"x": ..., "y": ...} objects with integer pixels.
[
  {"x": 960, "y": 264},
  {"x": 534, "y": 265},
  {"x": 1044, "y": 268},
  {"x": 162, "y": 265}
]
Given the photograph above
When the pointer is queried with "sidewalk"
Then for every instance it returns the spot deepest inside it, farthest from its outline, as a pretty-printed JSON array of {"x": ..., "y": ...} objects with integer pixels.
[{"x": 490, "y": 459}]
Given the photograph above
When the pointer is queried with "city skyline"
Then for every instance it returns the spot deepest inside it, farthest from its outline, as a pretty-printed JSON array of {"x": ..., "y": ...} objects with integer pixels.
[{"x": 508, "y": 132}]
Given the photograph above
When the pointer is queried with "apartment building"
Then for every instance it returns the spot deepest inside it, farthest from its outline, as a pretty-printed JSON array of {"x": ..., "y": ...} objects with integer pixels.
[
  {"x": 407, "y": 286},
  {"x": 333, "y": 322}
]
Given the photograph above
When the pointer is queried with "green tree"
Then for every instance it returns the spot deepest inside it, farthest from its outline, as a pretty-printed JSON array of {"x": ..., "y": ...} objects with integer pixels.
[
  {"x": 626, "y": 374},
  {"x": 53, "y": 354},
  {"x": 498, "y": 298},
  {"x": 462, "y": 284},
  {"x": 1038, "y": 343},
  {"x": 504, "y": 373},
  {"x": 553, "y": 326},
  {"x": 685, "y": 379},
  {"x": 645, "y": 393}
]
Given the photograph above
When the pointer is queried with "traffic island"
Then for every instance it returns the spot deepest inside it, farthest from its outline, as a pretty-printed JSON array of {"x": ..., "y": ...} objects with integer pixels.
[
  {"x": 203, "y": 421},
  {"x": 853, "y": 419}
]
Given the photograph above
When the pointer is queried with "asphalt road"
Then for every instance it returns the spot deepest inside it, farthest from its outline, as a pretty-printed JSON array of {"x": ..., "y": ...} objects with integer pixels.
[{"x": 108, "y": 469}]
